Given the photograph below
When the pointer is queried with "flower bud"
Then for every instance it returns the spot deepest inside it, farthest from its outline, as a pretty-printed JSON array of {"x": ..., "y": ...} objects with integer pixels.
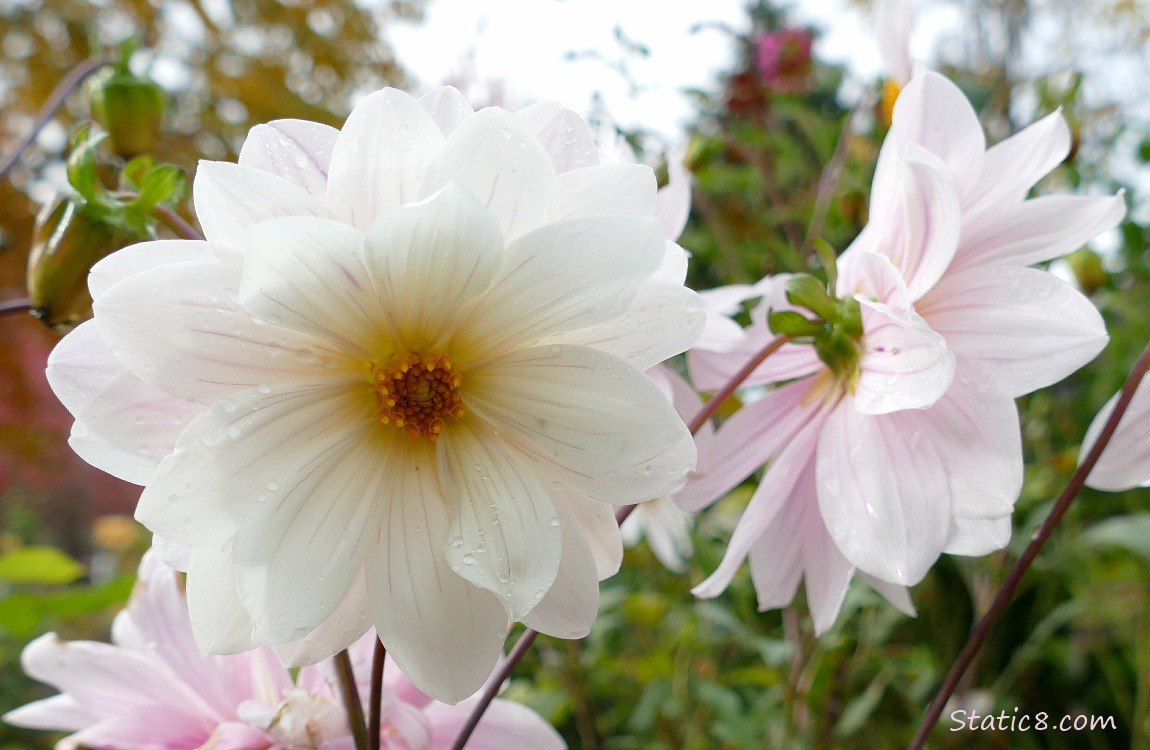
[
  {"x": 129, "y": 107},
  {"x": 66, "y": 243},
  {"x": 806, "y": 291}
]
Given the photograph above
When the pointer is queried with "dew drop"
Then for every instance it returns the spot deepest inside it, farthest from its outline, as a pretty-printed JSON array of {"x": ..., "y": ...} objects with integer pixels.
[
  {"x": 273, "y": 486},
  {"x": 554, "y": 520},
  {"x": 234, "y": 432},
  {"x": 469, "y": 559},
  {"x": 264, "y": 388},
  {"x": 457, "y": 541}
]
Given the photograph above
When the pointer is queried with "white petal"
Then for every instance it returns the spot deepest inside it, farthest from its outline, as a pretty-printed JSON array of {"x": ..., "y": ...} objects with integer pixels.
[
  {"x": 297, "y": 150},
  {"x": 564, "y": 135},
  {"x": 505, "y": 536},
  {"x": 429, "y": 261},
  {"x": 591, "y": 423},
  {"x": 447, "y": 108},
  {"x": 381, "y": 154},
  {"x": 1125, "y": 462},
  {"x": 571, "y": 604},
  {"x": 977, "y": 536},
  {"x": 897, "y": 595},
  {"x": 494, "y": 156},
  {"x": 1013, "y": 166},
  {"x": 347, "y": 623},
  {"x": 600, "y": 529},
  {"x": 607, "y": 190},
  {"x": 906, "y": 365},
  {"x": 218, "y": 619},
  {"x": 673, "y": 203},
  {"x": 444, "y": 633},
  {"x": 138, "y": 258}
]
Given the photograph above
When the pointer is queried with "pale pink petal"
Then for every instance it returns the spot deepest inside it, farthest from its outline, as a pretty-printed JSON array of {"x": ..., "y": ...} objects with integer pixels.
[
  {"x": 977, "y": 536},
  {"x": 1125, "y": 462},
  {"x": 570, "y": 606},
  {"x": 667, "y": 529},
  {"x": 309, "y": 275},
  {"x": 369, "y": 173},
  {"x": 893, "y": 21},
  {"x": 897, "y": 595},
  {"x": 607, "y": 190},
  {"x": 429, "y": 261},
  {"x": 496, "y": 158},
  {"x": 504, "y": 725},
  {"x": 888, "y": 515},
  {"x": 230, "y": 198},
  {"x": 673, "y": 203},
  {"x": 297, "y": 150},
  {"x": 443, "y": 632},
  {"x": 447, "y": 107},
  {"x": 1026, "y": 327},
  {"x": 564, "y": 135},
  {"x": 563, "y": 277},
  {"x": 61, "y": 713},
  {"x": 1012, "y": 167},
  {"x": 141, "y": 257},
  {"x": 597, "y": 520},
  {"x": 826, "y": 572},
  {"x": 587, "y": 421},
  {"x": 237, "y": 735},
  {"x": 505, "y": 536}
]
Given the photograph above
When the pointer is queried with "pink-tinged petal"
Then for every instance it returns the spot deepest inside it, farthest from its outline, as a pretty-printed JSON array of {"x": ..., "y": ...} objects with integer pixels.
[
  {"x": 564, "y": 135},
  {"x": 1013, "y": 166},
  {"x": 1125, "y": 462},
  {"x": 505, "y": 536},
  {"x": 138, "y": 258},
  {"x": 496, "y": 158},
  {"x": 897, "y": 595},
  {"x": 429, "y": 261},
  {"x": 755, "y": 434},
  {"x": 673, "y": 202},
  {"x": 309, "y": 276},
  {"x": 303, "y": 541},
  {"x": 447, "y": 108},
  {"x": 1026, "y": 327},
  {"x": 775, "y": 490},
  {"x": 369, "y": 174},
  {"x": 348, "y": 622},
  {"x": 504, "y": 725},
  {"x": 1036, "y": 230},
  {"x": 889, "y": 523},
  {"x": 585, "y": 420},
  {"x": 230, "y": 198},
  {"x": 180, "y": 328},
  {"x": 297, "y": 150},
  {"x": 237, "y": 735},
  {"x": 443, "y": 632},
  {"x": 61, "y": 713},
  {"x": 977, "y": 536},
  {"x": 569, "y": 607},
  {"x": 219, "y": 622},
  {"x": 597, "y": 520},
  {"x": 893, "y": 21},
  {"x": 905, "y": 366},
  {"x": 826, "y": 572},
  {"x": 257, "y": 443},
  {"x": 607, "y": 190},
  {"x": 667, "y": 529},
  {"x": 664, "y": 319},
  {"x": 563, "y": 277},
  {"x": 711, "y": 370}
]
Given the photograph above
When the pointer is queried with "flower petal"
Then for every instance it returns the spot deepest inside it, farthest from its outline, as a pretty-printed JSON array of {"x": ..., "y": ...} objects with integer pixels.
[
  {"x": 505, "y": 724},
  {"x": 906, "y": 365},
  {"x": 1013, "y": 166},
  {"x": 569, "y": 607},
  {"x": 600, "y": 528},
  {"x": 673, "y": 202},
  {"x": 506, "y": 535},
  {"x": 607, "y": 190},
  {"x": 141, "y": 257},
  {"x": 447, "y": 108},
  {"x": 588, "y": 422},
  {"x": 564, "y": 135},
  {"x": 1027, "y": 328},
  {"x": 347, "y": 623},
  {"x": 1125, "y": 462},
  {"x": 219, "y": 621},
  {"x": 297, "y": 150},
  {"x": 977, "y": 536},
  {"x": 369, "y": 174},
  {"x": 429, "y": 261}
]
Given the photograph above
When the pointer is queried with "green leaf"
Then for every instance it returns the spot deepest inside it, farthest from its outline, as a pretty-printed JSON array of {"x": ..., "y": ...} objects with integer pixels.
[
  {"x": 39, "y": 565},
  {"x": 1130, "y": 532}
]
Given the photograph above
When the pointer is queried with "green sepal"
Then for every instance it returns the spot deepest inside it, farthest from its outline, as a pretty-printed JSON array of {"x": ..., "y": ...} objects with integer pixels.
[
  {"x": 806, "y": 291},
  {"x": 791, "y": 323}
]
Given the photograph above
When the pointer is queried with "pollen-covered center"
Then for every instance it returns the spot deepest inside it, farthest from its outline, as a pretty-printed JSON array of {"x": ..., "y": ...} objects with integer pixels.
[{"x": 417, "y": 392}]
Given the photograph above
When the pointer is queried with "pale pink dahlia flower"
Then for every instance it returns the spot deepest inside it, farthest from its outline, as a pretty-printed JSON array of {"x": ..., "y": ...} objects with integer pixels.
[
  {"x": 401, "y": 382},
  {"x": 910, "y": 446},
  {"x": 151, "y": 690}
]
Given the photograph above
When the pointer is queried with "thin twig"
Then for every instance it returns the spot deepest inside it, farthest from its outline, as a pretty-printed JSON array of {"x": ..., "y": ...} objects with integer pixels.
[
  {"x": 521, "y": 648},
  {"x": 373, "y": 707},
  {"x": 828, "y": 180},
  {"x": 65, "y": 87},
  {"x": 981, "y": 630},
  {"x": 350, "y": 694}
]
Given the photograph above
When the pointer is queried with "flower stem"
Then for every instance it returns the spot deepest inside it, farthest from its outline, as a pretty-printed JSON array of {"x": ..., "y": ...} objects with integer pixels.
[
  {"x": 67, "y": 84},
  {"x": 350, "y": 694},
  {"x": 17, "y": 305},
  {"x": 374, "y": 705},
  {"x": 176, "y": 223},
  {"x": 981, "y": 630},
  {"x": 493, "y": 685}
]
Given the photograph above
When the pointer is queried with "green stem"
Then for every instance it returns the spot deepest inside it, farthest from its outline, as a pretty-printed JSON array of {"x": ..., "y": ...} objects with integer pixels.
[
  {"x": 350, "y": 694},
  {"x": 981, "y": 630}
]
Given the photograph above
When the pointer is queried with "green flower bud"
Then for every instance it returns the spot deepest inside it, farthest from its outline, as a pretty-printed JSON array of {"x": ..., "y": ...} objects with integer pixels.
[
  {"x": 129, "y": 107},
  {"x": 806, "y": 291},
  {"x": 1088, "y": 269},
  {"x": 66, "y": 243}
]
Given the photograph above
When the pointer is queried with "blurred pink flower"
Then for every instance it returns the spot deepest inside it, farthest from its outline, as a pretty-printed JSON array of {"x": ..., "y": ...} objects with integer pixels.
[
  {"x": 151, "y": 689},
  {"x": 918, "y": 451},
  {"x": 783, "y": 59}
]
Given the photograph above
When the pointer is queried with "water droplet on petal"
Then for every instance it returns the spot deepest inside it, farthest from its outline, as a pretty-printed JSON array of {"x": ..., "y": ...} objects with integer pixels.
[{"x": 273, "y": 486}]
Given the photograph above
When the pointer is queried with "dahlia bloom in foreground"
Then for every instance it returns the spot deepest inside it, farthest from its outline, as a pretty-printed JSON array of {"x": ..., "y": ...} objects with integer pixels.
[
  {"x": 899, "y": 438},
  {"x": 152, "y": 689},
  {"x": 400, "y": 383}
]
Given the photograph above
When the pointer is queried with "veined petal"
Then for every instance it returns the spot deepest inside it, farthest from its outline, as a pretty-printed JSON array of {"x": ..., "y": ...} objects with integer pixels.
[
  {"x": 180, "y": 328},
  {"x": 906, "y": 365},
  {"x": 297, "y": 150},
  {"x": 564, "y": 135},
  {"x": 591, "y": 423},
  {"x": 380, "y": 157},
  {"x": 606, "y": 190},
  {"x": 1125, "y": 462},
  {"x": 347, "y": 623},
  {"x": 141, "y": 257},
  {"x": 496, "y": 158},
  {"x": 309, "y": 276},
  {"x": 889, "y": 523},
  {"x": 1013, "y": 166},
  {"x": 560, "y": 278},
  {"x": 429, "y": 261},
  {"x": 230, "y": 198},
  {"x": 444, "y": 632},
  {"x": 506, "y": 535},
  {"x": 447, "y": 108},
  {"x": 570, "y": 606},
  {"x": 1025, "y": 326}
]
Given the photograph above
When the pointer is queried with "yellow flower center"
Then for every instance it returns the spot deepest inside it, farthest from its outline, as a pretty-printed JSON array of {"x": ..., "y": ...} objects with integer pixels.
[{"x": 417, "y": 392}]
